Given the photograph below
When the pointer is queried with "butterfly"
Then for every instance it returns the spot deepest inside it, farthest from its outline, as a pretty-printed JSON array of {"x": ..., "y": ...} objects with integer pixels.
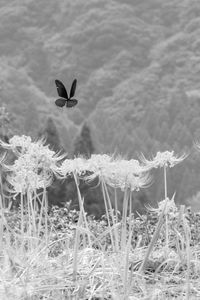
[{"x": 62, "y": 92}]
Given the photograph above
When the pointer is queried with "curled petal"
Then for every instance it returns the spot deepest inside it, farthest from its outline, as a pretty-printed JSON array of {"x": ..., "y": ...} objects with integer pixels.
[{"x": 162, "y": 159}]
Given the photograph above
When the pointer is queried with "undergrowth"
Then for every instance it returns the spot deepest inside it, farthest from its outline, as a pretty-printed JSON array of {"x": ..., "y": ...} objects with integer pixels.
[{"x": 63, "y": 254}]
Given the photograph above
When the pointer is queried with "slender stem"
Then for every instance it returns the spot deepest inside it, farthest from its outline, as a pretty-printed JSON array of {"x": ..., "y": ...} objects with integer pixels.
[
  {"x": 107, "y": 212},
  {"x": 188, "y": 255},
  {"x": 166, "y": 216},
  {"x": 116, "y": 206},
  {"x": 41, "y": 211},
  {"x": 105, "y": 203},
  {"x": 22, "y": 215},
  {"x": 32, "y": 215},
  {"x": 81, "y": 202},
  {"x": 1, "y": 192},
  {"x": 77, "y": 236},
  {"x": 126, "y": 269},
  {"x": 130, "y": 211},
  {"x": 165, "y": 180},
  {"x": 153, "y": 240},
  {"x": 1, "y": 222},
  {"x": 46, "y": 216},
  {"x": 130, "y": 204},
  {"x": 124, "y": 215},
  {"x": 29, "y": 221},
  {"x": 113, "y": 219}
]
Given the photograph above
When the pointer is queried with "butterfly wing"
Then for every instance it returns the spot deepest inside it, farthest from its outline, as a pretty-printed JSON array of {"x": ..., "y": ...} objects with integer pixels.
[
  {"x": 60, "y": 102},
  {"x": 73, "y": 88},
  {"x": 61, "y": 89},
  {"x": 71, "y": 102}
]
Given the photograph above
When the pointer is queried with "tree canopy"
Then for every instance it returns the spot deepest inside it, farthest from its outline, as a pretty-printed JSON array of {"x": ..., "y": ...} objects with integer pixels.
[{"x": 137, "y": 65}]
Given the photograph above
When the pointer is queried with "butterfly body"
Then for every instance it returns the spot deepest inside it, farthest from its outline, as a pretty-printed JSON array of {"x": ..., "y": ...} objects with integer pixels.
[{"x": 64, "y": 100}]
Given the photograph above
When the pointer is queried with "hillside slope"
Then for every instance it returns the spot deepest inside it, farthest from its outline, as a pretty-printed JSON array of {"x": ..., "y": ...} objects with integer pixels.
[{"x": 137, "y": 65}]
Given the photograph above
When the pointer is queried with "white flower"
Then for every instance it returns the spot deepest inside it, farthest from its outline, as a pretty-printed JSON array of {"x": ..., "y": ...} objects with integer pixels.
[
  {"x": 20, "y": 141},
  {"x": 97, "y": 164},
  {"x": 126, "y": 174},
  {"x": 34, "y": 167},
  {"x": 163, "y": 159},
  {"x": 22, "y": 144},
  {"x": 118, "y": 173},
  {"x": 171, "y": 208},
  {"x": 17, "y": 144},
  {"x": 80, "y": 166},
  {"x": 73, "y": 166}
]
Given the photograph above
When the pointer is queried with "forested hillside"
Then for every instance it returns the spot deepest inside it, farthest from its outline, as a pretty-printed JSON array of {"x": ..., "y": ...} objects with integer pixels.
[{"x": 137, "y": 63}]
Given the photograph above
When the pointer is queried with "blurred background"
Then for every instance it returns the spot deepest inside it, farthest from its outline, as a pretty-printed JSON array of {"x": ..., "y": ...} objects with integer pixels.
[{"x": 137, "y": 63}]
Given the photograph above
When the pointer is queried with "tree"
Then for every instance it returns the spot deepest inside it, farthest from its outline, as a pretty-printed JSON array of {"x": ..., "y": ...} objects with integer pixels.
[
  {"x": 91, "y": 192},
  {"x": 5, "y": 124},
  {"x": 83, "y": 144},
  {"x": 6, "y": 131},
  {"x": 57, "y": 191},
  {"x": 51, "y": 135}
]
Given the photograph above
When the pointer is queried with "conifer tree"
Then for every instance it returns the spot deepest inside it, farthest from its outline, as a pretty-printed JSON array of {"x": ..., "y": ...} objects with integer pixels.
[
  {"x": 83, "y": 144},
  {"x": 57, "y": 191},
  {"x": 51, "y": 135},
  {"x": 93, "y": 199},
  {"x": 5, "y": 124}
]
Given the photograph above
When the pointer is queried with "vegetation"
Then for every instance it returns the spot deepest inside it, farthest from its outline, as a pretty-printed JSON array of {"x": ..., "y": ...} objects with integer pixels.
[
  {"x": 98, "y": 226},
  {"x": 57, "y": 192},
  {"x": 137, "y": 66},
  {"x": 62, "y": 253},
  {"x": 51, "y": 135},
  {"x": 83, "y": 143}
]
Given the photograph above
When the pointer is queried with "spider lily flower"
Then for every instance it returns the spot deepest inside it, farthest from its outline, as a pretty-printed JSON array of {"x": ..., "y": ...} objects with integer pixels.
[
  {"x": 130, "y": 181},
  {"x": 163, "y": 159},
  {"x": 27, "y": 180},
  {"x": 23, "y": 141},
  {"x": 21, "y": 144},
  {"x": 34, "y": 169},
  {"x": 76, "y": 166},
  {"x": 126, "y": 174},
  {"x": 115, "y": 172},
  {"x": 81, "y": 166},
  {"x": 171, "y": 208},
  {"x": 17, "y": 144},
  {"x": 23, "y": 175},
  {"x": 97, "y": 164},
  {"x": 119, "y": 173}
]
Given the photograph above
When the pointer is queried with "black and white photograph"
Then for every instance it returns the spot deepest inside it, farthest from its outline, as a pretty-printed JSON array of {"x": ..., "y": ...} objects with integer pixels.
[{"x": 99, "y": 149}]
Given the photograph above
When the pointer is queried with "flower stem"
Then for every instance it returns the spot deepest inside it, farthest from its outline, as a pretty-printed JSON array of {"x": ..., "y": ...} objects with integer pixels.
[
  {"x": 165, "y": 181},
  {"x": 166, "y": 216}
]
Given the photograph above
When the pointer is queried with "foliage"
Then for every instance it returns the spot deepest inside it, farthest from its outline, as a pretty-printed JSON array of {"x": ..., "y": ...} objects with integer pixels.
[
  {"x": 83, "y": 145},
  {"x": 51, "y": 135},
  {"x": 137, "y": 66},
  {"x": 93, "y": 201},
  {"x": 162, "y": 245},
  {"x": 57, "y": 191},
  {"x": 6, "y": 126},
  {"x": 62, "y": 219}
]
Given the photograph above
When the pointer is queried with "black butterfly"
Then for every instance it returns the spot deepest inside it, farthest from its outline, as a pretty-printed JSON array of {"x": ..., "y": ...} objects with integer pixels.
[{"x": 62, "y": 92}]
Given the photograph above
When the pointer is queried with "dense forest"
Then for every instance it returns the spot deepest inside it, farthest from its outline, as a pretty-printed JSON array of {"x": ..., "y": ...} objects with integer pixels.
[{"x": 137, "y": 63}]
